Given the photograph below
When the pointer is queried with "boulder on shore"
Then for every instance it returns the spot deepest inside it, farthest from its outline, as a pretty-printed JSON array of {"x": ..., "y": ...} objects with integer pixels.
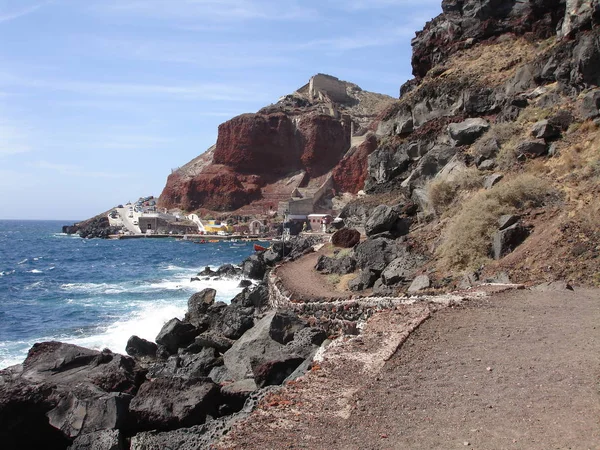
[
  {"x": 264, "y": 343},
  {"x": 169, "y": 403},
  {"x": 139, "y": 347},
  {"x": 198, "y": 304},
  {"x": 175, "y": 334},
  {"x": 44, "y": 401},
  {"x": 254, "y": 267}
]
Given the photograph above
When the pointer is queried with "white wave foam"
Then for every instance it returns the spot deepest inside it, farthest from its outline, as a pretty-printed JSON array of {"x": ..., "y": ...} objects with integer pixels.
[
  {"x": 14, "y": 352},
  {"x": 35, "y": 271},
  {"x": 63, "y": 235},
  {"x": 96, "y": 288},
  {"x": 22, "y": 262},
  {"x": 146, "y": 322},
  {"x": 171, "y": 267},
  {"x": 146, "y": 317}
]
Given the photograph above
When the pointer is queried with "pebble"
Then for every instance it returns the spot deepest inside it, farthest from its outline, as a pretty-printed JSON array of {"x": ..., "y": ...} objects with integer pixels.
[
  {"x": 489, "y": 369},
  {"x": 466, "y": 444}
]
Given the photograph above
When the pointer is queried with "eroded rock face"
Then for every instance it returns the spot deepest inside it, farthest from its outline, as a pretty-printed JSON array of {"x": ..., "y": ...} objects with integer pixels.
[
  {"x": 464, "y": 23},
  {"x": 253, "y": 150},
  {"x": 259, "y": 159},
  {"x": 247, "y": 142},
  {"x": 218, "y": 188},
  {"x": 350, "y": 174},
  {"x": 579, "y": 14}
]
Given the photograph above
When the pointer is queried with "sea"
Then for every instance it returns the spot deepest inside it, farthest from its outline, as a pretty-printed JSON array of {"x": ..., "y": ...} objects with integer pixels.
[{"x": 94, "y": 292}]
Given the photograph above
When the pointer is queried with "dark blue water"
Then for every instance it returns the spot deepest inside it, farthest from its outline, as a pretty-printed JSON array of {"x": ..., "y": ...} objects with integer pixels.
[{"x": 97, "y": 293}]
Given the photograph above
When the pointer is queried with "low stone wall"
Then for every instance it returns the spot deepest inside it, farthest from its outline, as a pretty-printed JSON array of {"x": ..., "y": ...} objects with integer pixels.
[{"x": 347, "y": 316}]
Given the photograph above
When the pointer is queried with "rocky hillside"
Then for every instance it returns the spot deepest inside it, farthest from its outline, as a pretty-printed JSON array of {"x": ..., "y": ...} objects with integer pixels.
[
  {"x": 259, "y": 159},
  {"x": 491, "y": 152}
]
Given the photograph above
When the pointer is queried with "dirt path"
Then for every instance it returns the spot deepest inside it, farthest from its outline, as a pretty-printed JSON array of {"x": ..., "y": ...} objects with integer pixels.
[
  {"x": 305, "y": 283},
  {"x": 517, "y": 370}
]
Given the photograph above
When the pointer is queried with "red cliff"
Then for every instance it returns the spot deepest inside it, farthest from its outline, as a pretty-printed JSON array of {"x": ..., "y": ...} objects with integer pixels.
[
  {"x": 350, "y": 174},
  {"x": 264, "y": 157}
]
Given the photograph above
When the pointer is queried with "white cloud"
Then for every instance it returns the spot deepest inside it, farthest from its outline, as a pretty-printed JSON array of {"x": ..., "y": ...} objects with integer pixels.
[
  {"x": 8, "y": 12},
  {"x": 376, "y": 38},
  {"x": 210, "y": 11},
  {"x": 359, "y": 5},
  {"x": 74, "y": 170},
  {"x": 195, "y": 52},
  {"x": 201, "y": 91},
  {"x": 13, "y": 139},
  {"x": 15, "y": 181}
]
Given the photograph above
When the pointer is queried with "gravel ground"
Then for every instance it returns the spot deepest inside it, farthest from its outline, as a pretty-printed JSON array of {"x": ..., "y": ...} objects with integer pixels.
[
  {"x": 517, "y": 370},
  {"x": 305, "y": 283}
]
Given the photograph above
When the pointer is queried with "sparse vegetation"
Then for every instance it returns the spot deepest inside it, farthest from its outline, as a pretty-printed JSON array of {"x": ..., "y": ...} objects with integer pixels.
[
  {"x": 333, "y": 279},
  {"x": 533, "y": 114},
  {"x": 507, "y": 136},
  {"x": 443, "y": 192},
  {"x": 468, "y": 237},
  {"x": 342, "y": 253}
]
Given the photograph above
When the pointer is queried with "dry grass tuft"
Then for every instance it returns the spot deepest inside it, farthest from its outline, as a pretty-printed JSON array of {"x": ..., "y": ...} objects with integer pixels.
[
  {"x": 468, "y": 237},
  {"x": 342, "y": 253},
  {"x": 443, "y": 192},
  {"x": 533, "y": 114},
  {"x": 588, "y": 126},
  {"x": 333, "y": 279}
]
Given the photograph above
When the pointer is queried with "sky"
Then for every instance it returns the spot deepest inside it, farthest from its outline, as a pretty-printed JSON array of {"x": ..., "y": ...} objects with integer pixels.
[{"x": 101, "y": 99}]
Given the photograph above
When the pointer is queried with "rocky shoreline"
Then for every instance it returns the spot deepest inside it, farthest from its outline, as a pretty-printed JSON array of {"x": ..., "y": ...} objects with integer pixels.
[{"x": 203, "y": 374}]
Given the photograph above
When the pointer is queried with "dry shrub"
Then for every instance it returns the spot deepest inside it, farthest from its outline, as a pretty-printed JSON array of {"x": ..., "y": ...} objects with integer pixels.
[
  {"x": 342, "y": 253},
  {"x": 588, "y": 126},
  {"x": 505, "y": 132},
  {"x": 468, "y": 237},
  {"x": 507, "y": 135},
  {"x": 333, "y": 279},
  {"x": 510, "y": 134},
  {"x": 591, "y": 170},
  {"x": 538, "y": 166},
  {"x": 443, "y": 192},
  {"x": 574, "y": 128},
  {"x": 533, "y": 114},
  {"x": 590, "y": 218}
]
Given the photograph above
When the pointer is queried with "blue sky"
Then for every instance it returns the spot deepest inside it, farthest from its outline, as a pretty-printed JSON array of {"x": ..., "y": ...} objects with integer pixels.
[{"x": 99, "y": 99}]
